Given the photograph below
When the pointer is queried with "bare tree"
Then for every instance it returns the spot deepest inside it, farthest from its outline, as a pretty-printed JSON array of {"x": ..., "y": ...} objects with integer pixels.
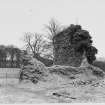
[
  {"x": 38, "y": 46},
  {"x": 34, "y": 42},
  {"x": 53, "y": 28}
]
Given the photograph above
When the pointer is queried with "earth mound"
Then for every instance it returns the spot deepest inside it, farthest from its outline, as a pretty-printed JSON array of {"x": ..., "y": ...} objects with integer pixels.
[{"x": 35, "y": 71}]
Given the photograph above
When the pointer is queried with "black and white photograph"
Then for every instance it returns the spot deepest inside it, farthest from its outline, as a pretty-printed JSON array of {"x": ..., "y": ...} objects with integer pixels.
[{"x": 52, "y": 51}]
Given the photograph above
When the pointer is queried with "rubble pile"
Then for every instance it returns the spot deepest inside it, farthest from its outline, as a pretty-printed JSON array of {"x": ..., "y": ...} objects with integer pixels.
[
  {"x": 88, "y": 72},
  {"x": 33, "y": 70}
]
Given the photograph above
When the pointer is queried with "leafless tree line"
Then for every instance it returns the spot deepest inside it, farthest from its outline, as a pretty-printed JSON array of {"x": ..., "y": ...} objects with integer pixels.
[{"x": 10, "y": 56}]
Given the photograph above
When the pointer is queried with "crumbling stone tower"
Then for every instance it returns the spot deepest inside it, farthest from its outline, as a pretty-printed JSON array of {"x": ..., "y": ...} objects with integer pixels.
[{"x": 64, "y": 52}]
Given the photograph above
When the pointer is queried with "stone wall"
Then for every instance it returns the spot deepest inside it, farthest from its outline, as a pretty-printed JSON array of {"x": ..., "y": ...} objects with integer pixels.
[{"x": 64, "y": 52}]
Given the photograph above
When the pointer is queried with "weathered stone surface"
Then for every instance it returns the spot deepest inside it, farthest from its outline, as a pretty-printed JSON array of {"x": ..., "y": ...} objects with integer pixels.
[
  {"x": 84, "y": 63},
  {"x": 70, "y": 71},
  {"x": 33, "y": 70},
  {"x": 64, "y": 52}
]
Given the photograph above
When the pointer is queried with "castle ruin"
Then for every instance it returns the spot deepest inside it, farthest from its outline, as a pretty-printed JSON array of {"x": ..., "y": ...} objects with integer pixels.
[{"x": 64, "y": 52}]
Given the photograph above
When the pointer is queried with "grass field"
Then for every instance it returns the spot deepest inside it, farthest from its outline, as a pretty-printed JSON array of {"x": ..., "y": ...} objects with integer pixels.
[{"x": 12, "y": 91}]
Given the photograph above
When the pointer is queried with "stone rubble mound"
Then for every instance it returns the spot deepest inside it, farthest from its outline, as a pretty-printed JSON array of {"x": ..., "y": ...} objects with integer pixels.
[
  {"x": 77, "y": 72},
  {"x": 33, "y": 70}
]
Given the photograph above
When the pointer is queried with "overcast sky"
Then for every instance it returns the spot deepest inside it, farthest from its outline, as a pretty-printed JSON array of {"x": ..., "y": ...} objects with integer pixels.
[{"x": 20, "y": 16}]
